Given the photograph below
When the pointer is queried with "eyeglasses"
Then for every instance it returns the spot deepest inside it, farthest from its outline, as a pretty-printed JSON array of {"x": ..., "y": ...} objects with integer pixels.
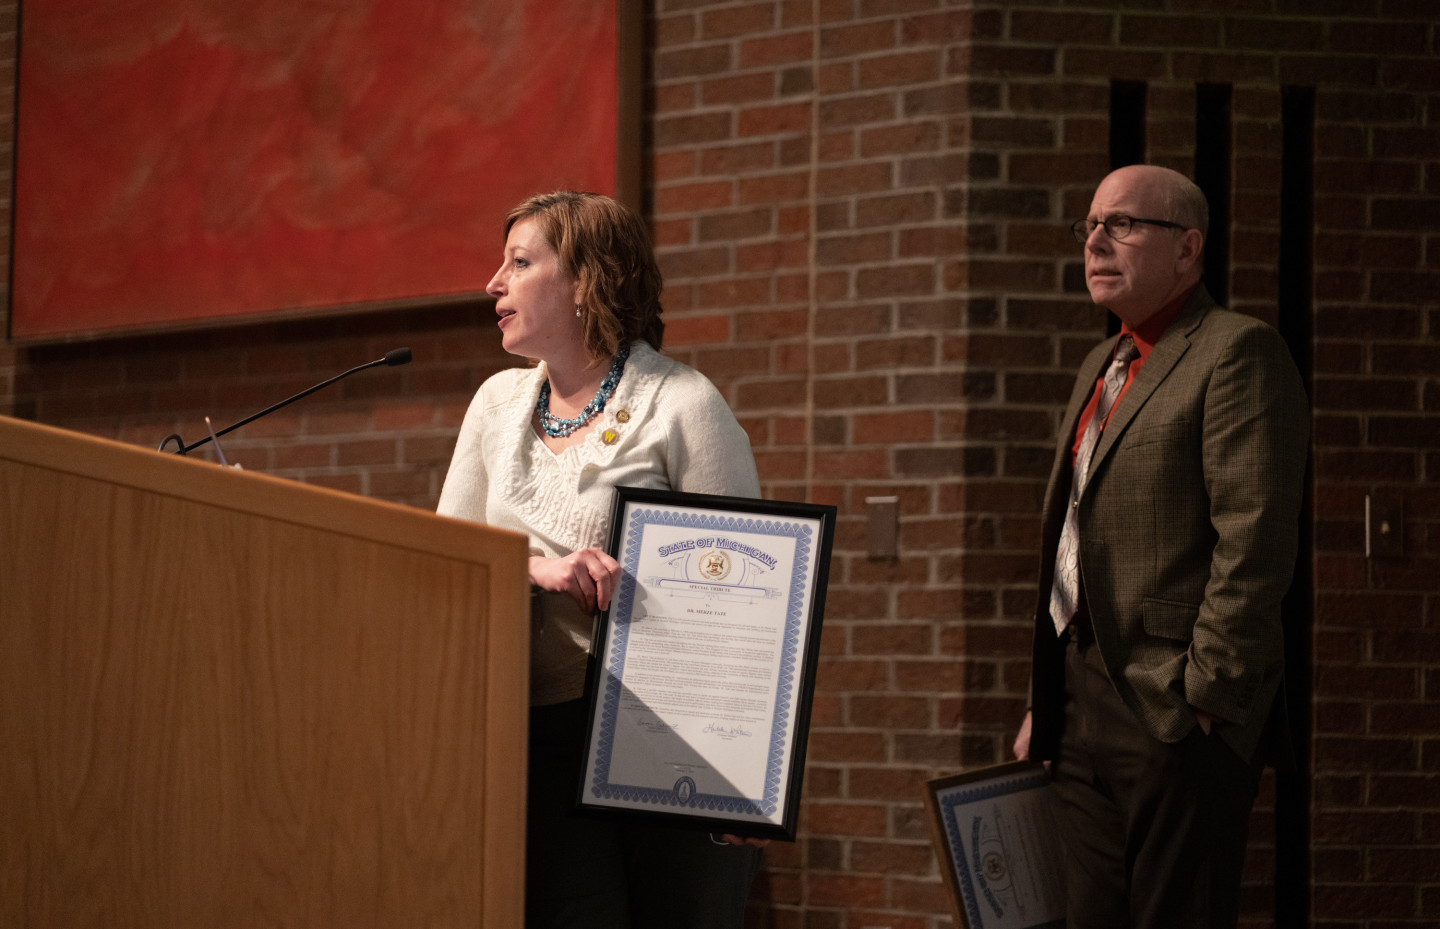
[{"x": 1116, "y": 227}]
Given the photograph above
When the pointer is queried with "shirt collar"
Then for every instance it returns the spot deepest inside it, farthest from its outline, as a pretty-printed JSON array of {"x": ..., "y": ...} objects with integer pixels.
[{"x": 1149, "y": 332}]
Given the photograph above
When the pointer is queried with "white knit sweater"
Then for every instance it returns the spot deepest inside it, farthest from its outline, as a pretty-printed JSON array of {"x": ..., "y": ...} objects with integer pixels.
[{"x": 678, "y": 435}]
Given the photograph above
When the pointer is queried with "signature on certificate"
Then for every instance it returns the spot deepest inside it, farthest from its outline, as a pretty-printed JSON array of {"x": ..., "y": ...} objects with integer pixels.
[{"x": 726, "y": 732}]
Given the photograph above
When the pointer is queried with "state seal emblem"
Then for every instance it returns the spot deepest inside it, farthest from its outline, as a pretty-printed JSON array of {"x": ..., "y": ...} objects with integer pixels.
[{"x": 714, "y": 565}]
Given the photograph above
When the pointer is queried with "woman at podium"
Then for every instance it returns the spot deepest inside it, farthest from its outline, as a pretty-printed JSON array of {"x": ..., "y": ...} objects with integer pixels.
[{"x": 540, "y": 451}]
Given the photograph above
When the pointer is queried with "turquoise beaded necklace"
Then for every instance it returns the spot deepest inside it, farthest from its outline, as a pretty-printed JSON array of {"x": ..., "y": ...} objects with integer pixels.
[{"x": 557, "y": 427}]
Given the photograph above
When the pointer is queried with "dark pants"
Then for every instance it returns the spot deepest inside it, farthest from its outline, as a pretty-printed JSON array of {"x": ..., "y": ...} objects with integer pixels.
[
  {"x": 1154, "y": 832},
  {"x": 584, "y": 873}
]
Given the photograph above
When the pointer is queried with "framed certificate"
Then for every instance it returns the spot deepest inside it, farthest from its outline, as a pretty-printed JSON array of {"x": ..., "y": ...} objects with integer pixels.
[
  {"x": 703, "y": 668},
  {"x": 996, "y": 837}
]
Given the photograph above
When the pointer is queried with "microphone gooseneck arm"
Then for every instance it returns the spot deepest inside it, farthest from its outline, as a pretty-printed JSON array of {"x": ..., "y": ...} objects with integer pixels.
[{"x": 394, "y": 357}]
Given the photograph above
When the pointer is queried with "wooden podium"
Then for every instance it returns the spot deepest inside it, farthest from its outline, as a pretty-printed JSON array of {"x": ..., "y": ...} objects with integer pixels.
[{"x": 229, "y": 700}]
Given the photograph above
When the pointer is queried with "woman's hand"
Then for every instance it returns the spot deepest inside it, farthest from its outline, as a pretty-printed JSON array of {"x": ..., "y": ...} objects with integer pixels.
[
  {"x": 587, "y": 575},
  {"x": 728, "y": 839}
]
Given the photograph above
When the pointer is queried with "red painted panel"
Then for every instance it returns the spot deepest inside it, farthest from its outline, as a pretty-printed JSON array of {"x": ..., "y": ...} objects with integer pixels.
[{"x": 182, "y": 160}]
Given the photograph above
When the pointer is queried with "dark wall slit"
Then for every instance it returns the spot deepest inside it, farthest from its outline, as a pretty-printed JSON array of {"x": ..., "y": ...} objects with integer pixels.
[
  {"x": 1213, "y": 147},
  {"x": 1127, "y": 141},
  {"x": 1295, "y": 273}
]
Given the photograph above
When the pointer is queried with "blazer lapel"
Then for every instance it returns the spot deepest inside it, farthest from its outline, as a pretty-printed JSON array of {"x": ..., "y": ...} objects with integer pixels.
[
  {"x": 1163, "y": 358},
  {"x": 1085, "y": 378}
]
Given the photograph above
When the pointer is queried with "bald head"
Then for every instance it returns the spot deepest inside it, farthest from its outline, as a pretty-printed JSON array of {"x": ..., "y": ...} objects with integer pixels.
[{"x": 1137, "y": 275}]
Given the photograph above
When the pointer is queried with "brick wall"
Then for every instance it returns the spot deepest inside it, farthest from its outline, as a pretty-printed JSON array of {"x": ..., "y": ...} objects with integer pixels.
[
  {"x": 809, "y": 163},
  {"x": 861, "y": 211},
  {"x": 386, "y": 433},
  {"x": 1376, "y": 823}
]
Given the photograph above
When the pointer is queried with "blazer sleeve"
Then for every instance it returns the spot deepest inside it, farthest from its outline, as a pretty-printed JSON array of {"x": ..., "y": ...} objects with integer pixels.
[{"x": 1255, "y": 438}]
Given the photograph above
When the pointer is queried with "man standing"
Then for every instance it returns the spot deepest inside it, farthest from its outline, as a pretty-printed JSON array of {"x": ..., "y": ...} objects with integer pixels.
[{"x": 1170, "y": 534}]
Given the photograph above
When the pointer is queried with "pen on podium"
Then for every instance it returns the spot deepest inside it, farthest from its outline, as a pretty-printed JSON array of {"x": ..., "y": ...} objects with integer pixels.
[{"x": 215, "y": 441}]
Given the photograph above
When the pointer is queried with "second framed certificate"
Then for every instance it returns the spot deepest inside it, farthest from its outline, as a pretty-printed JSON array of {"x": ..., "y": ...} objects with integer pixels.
[
  {"x": 703, "y": 668},
  {"x": 999, "y": 849}
]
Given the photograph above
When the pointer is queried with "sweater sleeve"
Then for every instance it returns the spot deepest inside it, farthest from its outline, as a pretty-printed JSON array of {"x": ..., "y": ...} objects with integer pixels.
[
  {"x": 464, "y": 492},
  {"x": 707, "y": 451}
]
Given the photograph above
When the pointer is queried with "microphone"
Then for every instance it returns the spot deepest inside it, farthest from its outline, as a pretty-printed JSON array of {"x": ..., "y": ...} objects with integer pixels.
[{"x": 394, "y": 357}]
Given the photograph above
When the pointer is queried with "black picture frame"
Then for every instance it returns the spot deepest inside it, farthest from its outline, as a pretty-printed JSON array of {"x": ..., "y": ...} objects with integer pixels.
[
  {"x": 731, "y": 592},
  {"x": 995, "y": 836}
]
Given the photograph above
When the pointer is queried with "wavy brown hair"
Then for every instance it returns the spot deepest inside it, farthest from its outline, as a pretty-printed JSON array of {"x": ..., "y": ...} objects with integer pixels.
[{"x": 605, "y": 248}]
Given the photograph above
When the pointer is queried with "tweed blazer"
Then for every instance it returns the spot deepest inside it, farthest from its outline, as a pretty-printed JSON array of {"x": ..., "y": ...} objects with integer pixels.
[{"x": 1188, "y": 530}]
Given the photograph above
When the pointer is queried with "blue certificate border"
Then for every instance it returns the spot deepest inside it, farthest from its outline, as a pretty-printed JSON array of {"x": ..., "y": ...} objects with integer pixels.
[
  {"x": 812, "y": 526},
  {"x": 948, "y": 796},
  {"x": 636, "y": 522}
]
